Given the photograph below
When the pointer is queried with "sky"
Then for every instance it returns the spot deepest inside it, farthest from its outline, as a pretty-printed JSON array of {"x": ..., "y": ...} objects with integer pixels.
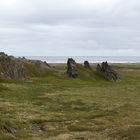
[{"x": 70, "y": 27}]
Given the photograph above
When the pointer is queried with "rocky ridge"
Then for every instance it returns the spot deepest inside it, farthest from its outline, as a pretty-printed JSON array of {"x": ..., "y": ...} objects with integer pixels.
[{"x": 22, "y": 68}]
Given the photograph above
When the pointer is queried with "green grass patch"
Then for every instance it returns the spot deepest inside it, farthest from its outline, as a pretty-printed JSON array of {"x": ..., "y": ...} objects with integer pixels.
[{"x": 52, "y": 105}]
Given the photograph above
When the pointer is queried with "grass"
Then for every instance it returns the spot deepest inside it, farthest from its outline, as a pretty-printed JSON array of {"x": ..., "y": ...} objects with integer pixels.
[{"x": 60, "y": 108}]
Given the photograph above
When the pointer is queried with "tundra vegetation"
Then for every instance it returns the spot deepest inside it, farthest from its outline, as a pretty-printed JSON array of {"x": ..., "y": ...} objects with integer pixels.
[{"x": 44, "y": 102}]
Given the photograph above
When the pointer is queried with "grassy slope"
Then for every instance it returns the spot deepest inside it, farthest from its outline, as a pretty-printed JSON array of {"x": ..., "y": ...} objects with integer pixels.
[{"x": 82, "y": 108}]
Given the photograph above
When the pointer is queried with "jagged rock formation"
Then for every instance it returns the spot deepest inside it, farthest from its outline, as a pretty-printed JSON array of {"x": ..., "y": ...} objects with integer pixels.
[
  {"x": 72, "y": 68},
  {"x": 87, "y": 65},
  {"x": 105, "y": 70},
  {"x": 11, "y": 67},
  {"x": 2, "y": 54},
  {"x": 22, "y": 68}
]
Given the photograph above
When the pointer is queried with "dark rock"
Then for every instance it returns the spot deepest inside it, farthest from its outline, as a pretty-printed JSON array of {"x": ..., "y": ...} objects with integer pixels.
[
  {"x": 87, "y": 65},
  {"x": 11, "y": 67},
  {"x": 105, "y": 70},
  {"x": 47, "y": 64},
  {"x": 2, "y": 54},
  {"x": 71, "y": 68},
  {"x": 20, "y": 68}
]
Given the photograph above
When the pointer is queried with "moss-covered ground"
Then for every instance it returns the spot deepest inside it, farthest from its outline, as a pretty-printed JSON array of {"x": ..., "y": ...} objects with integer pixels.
[{"x": 60, "y": 108}]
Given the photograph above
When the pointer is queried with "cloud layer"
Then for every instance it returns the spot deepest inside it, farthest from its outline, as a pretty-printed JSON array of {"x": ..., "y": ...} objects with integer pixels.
[{"x": 76, "y": 27}]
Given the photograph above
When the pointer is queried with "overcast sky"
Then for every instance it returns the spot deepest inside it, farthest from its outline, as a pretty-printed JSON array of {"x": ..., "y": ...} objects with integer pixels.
[{"x": 70, "y": 27}]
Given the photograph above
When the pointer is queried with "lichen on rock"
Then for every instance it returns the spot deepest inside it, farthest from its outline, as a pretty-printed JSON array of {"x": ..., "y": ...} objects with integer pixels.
[
  {"x": 72, "y": 68},
  {"x": 11, "y": 67},
  {"x": 107, "y": 72}
]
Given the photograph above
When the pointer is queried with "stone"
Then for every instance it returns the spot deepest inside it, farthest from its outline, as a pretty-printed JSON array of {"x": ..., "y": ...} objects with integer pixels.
[
  {"x": 107, "y": 72},
  {"x": 2, "y": 54},
  {"x": 72, "y": 68},
  {"x": 21, "y": 68},
  {"x": 87, "y": 65},
  {"x": 11, "y": 67}
]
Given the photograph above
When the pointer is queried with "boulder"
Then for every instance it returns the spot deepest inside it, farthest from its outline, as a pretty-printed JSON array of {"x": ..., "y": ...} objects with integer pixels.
[
  {"x": 107, "y": 72},
  {"x": 87, "y": 65},
  {"x": 72, "y": 68}
]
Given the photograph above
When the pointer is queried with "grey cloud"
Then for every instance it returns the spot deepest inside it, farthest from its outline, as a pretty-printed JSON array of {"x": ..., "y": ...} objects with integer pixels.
[{"x": 75, "y": 27}]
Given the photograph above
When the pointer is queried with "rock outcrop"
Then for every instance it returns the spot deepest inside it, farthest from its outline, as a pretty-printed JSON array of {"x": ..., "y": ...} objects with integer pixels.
[
  {"x": 105, "y": 70},
  {"x": 11, "y": 67},
  {"x": 22, "y": 68},
  {"x": 72, "y": 68},
  {"x": 87, "y": 65}
]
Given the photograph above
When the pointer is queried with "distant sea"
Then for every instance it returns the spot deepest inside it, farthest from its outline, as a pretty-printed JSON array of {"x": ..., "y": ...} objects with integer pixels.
[{"x": 91, "y": 59}]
